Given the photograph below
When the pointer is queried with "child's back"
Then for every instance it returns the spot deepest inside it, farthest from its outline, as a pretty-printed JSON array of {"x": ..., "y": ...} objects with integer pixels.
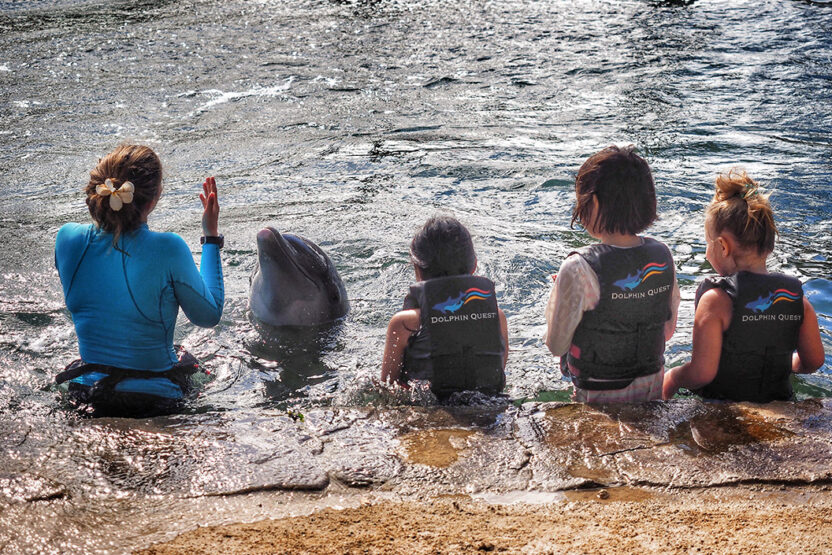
[
  {"x": 623, "y": 337},
  {"x": 614, "y": 303},
  {"x": 748, "y": 322},
  {"x": 450, "y": 331},
  {"x": 755, "y": 363}
]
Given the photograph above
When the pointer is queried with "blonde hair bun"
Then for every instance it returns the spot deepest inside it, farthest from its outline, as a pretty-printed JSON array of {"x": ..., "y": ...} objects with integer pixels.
[{"x": 742, "y": 207}]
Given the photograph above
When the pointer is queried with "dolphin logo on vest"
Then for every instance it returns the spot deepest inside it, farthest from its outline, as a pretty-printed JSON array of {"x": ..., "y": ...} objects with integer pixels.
[
  {"x": 761, "y": 304},
  {"x": 452, "y": 304},
  {"x": 634, "y": 280}
]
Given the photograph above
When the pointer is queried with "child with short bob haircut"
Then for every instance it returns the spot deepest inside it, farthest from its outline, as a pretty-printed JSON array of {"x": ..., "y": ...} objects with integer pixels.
[
  {"x": 752, "y": 329},
  {"x": 614, "y": 304},
  {"x": 450, "y": 331}
]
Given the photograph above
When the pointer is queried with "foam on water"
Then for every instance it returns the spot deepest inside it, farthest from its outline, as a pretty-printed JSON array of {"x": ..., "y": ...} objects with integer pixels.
[{"x": 220, "y": 97}]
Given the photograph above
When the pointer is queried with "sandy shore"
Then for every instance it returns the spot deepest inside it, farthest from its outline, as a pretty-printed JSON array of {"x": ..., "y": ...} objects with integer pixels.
[{"x": 754, "y": 519}]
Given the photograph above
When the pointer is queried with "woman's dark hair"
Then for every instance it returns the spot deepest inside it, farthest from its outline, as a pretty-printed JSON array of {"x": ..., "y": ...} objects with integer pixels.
[
  {"x": 137, "y": 164},
  {"x": 443, "y": 247},
  {"x": 741, "y": 207},
  {"x": 622, "y": 182}
]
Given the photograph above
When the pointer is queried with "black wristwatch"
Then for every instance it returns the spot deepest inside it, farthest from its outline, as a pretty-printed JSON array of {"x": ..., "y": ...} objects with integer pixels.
[{"x": 212, "y": 240}]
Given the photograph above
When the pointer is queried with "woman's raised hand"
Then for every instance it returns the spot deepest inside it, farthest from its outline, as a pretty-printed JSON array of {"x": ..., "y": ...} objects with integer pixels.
[{"x": 210, "y": 217}]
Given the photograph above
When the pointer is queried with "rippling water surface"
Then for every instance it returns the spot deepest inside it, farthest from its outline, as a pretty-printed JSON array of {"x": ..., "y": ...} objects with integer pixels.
[{"x": 350, "y": 123}]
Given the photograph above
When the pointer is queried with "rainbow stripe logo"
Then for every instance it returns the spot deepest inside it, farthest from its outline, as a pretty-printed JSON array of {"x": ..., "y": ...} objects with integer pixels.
[
  {"x": 634, "y": 280},
  {"x": 764, "y": 303},
  {"x": 452, "y": 304}
]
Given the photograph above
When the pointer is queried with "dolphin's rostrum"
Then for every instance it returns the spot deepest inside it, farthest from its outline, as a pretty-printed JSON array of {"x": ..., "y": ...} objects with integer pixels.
[{"x": 294, "y": 283}]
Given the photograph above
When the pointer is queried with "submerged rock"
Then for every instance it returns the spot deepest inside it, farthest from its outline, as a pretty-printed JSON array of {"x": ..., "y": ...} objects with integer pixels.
[
  {"x": 110, "y": 471},
  {"x": 428, "y": 451},
  {"x": 683, "y": 443}
]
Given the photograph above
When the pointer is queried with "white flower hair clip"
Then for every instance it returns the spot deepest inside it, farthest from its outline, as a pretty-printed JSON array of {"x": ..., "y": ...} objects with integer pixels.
[{"x": 118, "y": 197}]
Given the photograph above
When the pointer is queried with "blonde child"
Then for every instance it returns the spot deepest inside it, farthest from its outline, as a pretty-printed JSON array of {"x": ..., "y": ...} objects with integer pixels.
[{"x": 752, "y": 328}]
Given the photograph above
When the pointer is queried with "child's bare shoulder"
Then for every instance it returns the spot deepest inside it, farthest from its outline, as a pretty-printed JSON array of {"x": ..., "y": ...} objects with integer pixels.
[{"x": 405, "y": 320}]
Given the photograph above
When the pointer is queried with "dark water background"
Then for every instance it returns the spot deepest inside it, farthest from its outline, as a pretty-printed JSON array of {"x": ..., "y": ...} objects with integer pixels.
[{"x": 350, "y": 123}]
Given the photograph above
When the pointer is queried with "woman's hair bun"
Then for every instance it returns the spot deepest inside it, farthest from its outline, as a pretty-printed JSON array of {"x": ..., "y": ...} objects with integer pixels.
[{"x": 137, "y": 165}]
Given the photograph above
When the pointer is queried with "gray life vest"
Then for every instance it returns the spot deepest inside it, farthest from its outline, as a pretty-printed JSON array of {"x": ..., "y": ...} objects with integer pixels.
[
  {"x": 623, "y": 337},
  {"x": 756, "y": 359},
  {"x": 458, "y": 345}
]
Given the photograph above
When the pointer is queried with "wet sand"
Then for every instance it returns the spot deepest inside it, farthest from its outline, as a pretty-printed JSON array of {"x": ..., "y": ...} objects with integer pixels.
[{"x": 750, "y": 519}]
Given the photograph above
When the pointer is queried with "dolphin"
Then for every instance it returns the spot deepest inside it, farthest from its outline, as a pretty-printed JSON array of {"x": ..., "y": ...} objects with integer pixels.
[
  {"x": 629, "y": 282},
  {"x": 761, "y": 304},
  {"x": 451, "y": 305},
  {"x": 294, "y": 283}
]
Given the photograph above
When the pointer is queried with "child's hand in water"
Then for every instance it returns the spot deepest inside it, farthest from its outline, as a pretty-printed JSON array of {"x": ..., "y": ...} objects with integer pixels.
[
  {"x": 388, "y": 384},
  {"x": 211, "y": 205}
]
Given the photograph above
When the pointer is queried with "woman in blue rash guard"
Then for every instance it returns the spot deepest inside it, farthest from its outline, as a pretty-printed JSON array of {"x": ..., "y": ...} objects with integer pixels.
[{"x": 124, "y": 284}]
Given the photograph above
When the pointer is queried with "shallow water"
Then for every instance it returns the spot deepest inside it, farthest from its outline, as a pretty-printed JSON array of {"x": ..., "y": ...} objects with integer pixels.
[{"x": 350, "y": 123}]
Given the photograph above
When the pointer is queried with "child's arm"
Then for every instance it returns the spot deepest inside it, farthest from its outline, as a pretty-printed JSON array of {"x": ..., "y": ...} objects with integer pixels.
[
  {"x": 809, "y": 356},
  {"x": 402, "y": 325},
  {"x": 712, "y": 318},
  {"x": 504, "y": 333},
  {"x": 576, "y": 290}
]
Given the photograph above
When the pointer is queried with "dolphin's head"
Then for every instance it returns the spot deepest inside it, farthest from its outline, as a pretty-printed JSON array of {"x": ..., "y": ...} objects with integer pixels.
[{"x": 294, "y": 283}]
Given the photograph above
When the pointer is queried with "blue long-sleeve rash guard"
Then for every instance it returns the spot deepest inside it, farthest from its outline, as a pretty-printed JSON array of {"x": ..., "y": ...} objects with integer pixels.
[{"x": 124, "y": 301}]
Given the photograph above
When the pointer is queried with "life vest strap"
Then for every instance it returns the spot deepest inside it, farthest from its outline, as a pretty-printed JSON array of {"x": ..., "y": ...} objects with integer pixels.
[{"x": 607, "y": 385}]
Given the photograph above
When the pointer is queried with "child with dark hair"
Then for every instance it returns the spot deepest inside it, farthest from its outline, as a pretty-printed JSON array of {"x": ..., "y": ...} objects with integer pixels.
[
  {"x": 614, "y": 304},
  {"x": 450, "y": 331},
  {"x": 752, "y": 329},
  {"x": 124, "y": 285}
]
